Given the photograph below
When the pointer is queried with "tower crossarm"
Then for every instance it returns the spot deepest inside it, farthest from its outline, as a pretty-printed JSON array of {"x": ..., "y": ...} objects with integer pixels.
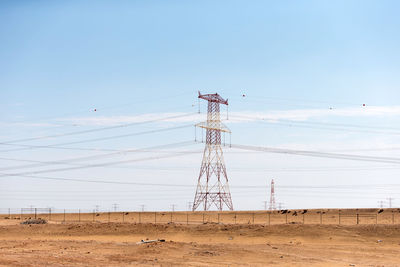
[
  {"x": 216, "y": 98},
  {"x": 221, "y": 127}
]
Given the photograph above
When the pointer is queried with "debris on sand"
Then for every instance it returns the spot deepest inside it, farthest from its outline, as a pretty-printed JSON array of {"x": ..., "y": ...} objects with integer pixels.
[
  {"x": 35, "y": 221},
  {"x": 206, "y": 253},
  {"x": 150, "y": 241}
]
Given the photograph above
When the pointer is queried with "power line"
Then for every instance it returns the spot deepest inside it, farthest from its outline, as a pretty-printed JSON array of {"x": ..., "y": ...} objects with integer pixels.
[
  {"x": 97, "y": 165},
  {"x": 153, "y": 168},
  {"x": 348, "y": 189},
  {"x": 258, "y": 97},
  {"x": 319, "y": 154},
  {"x": 301, "y": 187},
  {"x": 326, "y": 126},
  {"x": 54, "y": 147},
  {"x": 67, "y": 161},
  {"x": 97, "y": 181},
  {"x": 298, "y": 100},
  {"x": 29, "y": 147},
  {"x": 96, "y": 130},
  {"x": 99, "y": 108},
  {"x": 44, "y": 163}
]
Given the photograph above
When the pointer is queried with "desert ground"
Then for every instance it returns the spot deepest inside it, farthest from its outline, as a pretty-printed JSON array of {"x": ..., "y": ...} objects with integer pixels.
[{"x": 204, "y": 244}]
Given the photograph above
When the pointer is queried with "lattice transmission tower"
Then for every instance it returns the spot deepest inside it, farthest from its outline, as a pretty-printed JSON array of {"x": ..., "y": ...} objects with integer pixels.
[
  {"x": 272, "y": 204},
  {"x": 212, "y": 186}
]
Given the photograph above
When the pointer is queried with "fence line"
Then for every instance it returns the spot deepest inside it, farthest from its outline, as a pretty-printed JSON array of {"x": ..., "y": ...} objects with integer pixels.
[{"x": 323, "y": 217}]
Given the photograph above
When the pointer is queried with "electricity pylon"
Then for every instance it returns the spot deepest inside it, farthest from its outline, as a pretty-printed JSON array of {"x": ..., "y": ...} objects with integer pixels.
[
  {"x": 272, "y": 205},
  {"x": 390, "y": 201},
  {"x": 212, "y": 186}
]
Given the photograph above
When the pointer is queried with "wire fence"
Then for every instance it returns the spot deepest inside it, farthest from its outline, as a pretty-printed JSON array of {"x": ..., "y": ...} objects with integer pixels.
[{"x": 340, "y": 217}]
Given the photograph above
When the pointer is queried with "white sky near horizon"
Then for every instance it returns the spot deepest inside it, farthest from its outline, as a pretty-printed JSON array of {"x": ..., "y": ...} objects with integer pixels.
[{"x": 305, "y": 75}]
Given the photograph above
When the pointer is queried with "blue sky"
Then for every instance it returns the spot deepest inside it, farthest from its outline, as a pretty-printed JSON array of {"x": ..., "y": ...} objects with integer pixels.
[{"x": 304, "y": 61}]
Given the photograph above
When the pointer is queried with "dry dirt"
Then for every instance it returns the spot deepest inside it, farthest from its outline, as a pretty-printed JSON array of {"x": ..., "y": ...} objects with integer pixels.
[{"x": 114, "y": 244}]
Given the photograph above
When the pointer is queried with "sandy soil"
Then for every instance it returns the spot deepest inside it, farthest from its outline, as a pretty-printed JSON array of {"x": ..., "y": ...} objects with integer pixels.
[{"x": 114, "y": 244}]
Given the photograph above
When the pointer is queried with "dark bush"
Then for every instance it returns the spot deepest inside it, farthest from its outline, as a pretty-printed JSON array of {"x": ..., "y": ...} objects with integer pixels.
[{"x": 35, "y": 221}]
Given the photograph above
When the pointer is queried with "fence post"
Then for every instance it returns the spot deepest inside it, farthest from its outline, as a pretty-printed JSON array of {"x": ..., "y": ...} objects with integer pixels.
[
  {"x": 357, "y": 219},
  {"x": 171, "y": 216},
  {"x": 64, "y": 216},
  {"x": 187, "y": 218},
  {"x": 339, "y": 217},
  {"x": 35, "y": 213},
  {"x": 253, "y": 217}
]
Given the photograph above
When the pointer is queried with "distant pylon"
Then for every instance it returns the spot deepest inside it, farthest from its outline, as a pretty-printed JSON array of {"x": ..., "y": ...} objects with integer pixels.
[
  {"x": 390, "y": 201},
  {"x": 272, "y": 205},
  {"x": 212, "y": 186},
  {"x": 265, "y": 204}
]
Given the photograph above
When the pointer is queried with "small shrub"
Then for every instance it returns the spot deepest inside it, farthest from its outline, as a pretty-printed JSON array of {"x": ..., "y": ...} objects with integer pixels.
[{"x": 35, "y": 221}]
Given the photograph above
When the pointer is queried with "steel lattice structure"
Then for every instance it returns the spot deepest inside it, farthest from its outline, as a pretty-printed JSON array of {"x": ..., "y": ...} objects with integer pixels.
[
  {"x": 212, "y": 186},
  {"x": 272, "y": 205}
]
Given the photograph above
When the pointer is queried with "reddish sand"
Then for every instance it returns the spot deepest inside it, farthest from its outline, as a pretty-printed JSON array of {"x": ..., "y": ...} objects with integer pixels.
[{"x": 114, "y": 244}]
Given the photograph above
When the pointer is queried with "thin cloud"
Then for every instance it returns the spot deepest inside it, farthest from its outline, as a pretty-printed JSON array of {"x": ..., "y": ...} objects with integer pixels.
[
  {"x": 118, "y": 120},
  {"x": 241, "y": 117},
  {"x": 29, "y": 124},
  {"x": 306, "y": 114}
]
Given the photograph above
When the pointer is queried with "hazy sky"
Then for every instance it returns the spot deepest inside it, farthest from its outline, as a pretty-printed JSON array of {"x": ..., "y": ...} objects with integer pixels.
[{"x": 302, "y": 75}]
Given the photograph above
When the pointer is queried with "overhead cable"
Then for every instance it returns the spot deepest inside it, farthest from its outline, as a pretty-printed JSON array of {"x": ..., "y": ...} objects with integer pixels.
[
  {"x": 92, "y": 157},
  {"x": 97, "y": 129},
  {"x": 97, "y": 165},
  {"x": 319, "y": 154},
  {"x": 59, "y": 145}
]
